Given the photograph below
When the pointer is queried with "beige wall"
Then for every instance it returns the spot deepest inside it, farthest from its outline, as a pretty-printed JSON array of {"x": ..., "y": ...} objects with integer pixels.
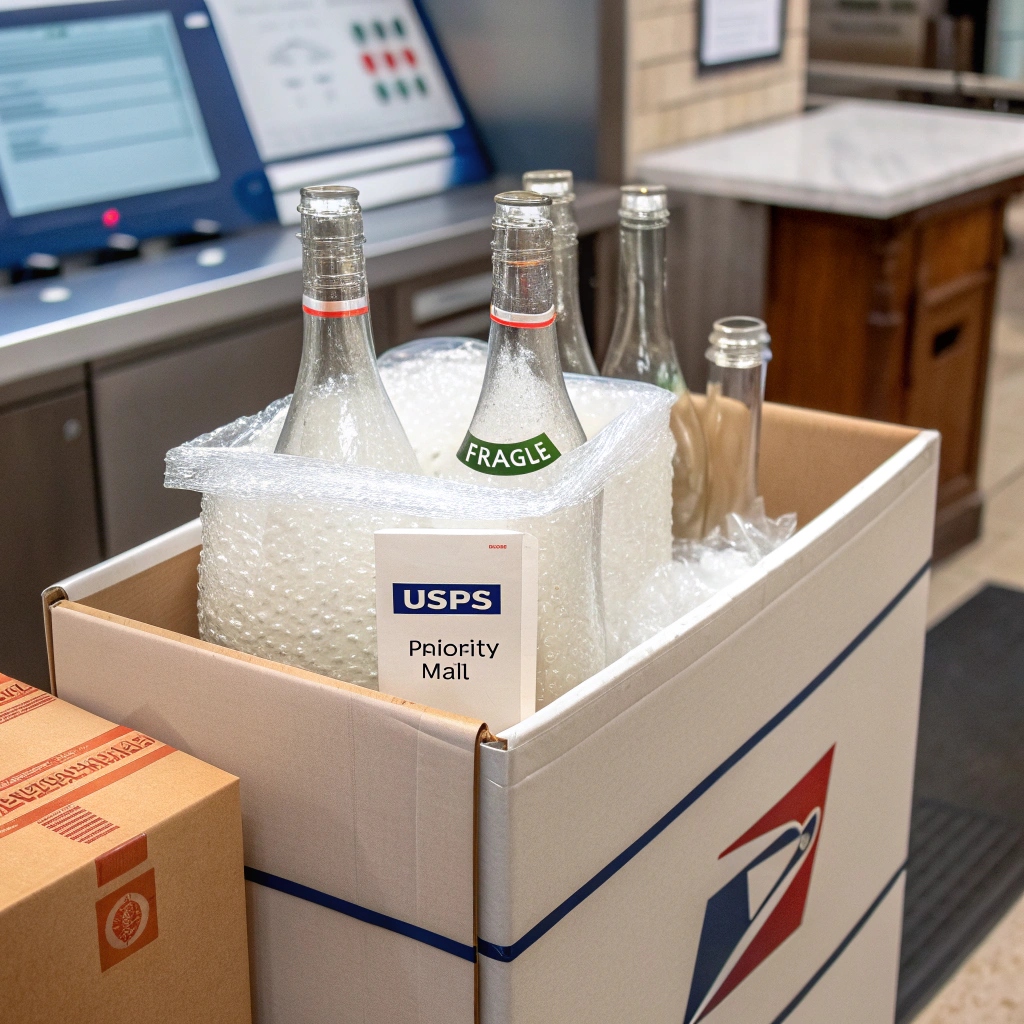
[{"x": 668, "y": 103}]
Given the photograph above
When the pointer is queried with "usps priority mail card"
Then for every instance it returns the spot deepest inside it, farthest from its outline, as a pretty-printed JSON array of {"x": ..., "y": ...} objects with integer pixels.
[{"x": 457, "y": 621}]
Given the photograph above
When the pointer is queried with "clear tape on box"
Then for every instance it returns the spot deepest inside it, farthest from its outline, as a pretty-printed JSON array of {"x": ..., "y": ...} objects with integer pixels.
[{"x": 286, "y": 570}]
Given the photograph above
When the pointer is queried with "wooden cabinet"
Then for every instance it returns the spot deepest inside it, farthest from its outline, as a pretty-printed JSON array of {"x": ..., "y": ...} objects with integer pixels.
[
  {"x": 50, "y": 521},
  {"x": 946, "y": 368},
  {"x": 890, "y": 319}
]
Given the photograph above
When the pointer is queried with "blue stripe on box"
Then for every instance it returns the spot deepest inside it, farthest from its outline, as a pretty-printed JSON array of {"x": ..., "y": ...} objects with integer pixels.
[
  {"x": 841, "y": 948},
  {"x": 392, "y": 924},
  {"x": 508, "y": 953}
]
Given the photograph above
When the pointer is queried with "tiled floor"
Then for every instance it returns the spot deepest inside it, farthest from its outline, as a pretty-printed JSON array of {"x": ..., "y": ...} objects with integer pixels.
[{"x": 989, "y": 988}]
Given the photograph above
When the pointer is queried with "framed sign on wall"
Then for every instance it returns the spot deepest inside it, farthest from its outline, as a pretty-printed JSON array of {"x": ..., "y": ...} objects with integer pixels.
[{"x": 732, "y": 32}]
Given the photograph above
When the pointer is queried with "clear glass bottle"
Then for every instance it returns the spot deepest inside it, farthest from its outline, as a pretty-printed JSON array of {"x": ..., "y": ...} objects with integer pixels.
[
  {"x": 340, "y": 410},
  {"x": 523, "y": 423},
  {"x": 641, "y": 345},
  {"x": 573, "y": 347},
  {"x": 310, "y": 601},
  {"x": 738, "y": 353}
]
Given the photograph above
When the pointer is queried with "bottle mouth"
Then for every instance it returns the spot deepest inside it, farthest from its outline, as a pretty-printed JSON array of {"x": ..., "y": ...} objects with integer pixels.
[
  {"x": 328, "y": 200},
  {"x": 522, "y": 208},
  {"x": 739, "y": 341},
  {"x": 330, "y": 217},
  {"x": 558, "y": 185},
  {"x": 522, "y": 225},
  {"x": 643, "y": 205}
]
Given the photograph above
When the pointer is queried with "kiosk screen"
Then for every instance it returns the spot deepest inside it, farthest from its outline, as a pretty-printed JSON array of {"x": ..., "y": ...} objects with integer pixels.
[
  {"x": 330, "y": 74},
  {"x": 97, "y": 109}
]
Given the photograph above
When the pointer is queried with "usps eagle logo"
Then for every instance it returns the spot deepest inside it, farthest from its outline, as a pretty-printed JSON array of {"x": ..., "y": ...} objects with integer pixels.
[{"x": 763, "y": 903}]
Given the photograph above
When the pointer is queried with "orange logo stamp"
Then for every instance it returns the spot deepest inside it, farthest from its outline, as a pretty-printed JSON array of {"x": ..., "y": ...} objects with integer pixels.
[{"x": 126, "y": 919}]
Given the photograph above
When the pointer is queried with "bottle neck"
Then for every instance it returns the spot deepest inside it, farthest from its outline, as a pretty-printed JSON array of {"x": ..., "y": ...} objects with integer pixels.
[
  {"x": 523, "y": 312},
  {"x": 523, "y": 393},
  {"x": 573, "y": 347},
  {"x": 336, "y": 349},
  {"x": 339, "y": 367},
  {"x": 641, "y": 346},
  {"x": 337, "y": 335}
]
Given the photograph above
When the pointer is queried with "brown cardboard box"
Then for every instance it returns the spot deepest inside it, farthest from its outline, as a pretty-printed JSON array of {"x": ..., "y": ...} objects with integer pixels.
[{"x": 121, "y": 890}]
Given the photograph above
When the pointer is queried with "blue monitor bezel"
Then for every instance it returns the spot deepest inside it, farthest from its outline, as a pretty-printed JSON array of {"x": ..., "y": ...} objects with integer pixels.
[{"x": 241, "y": 196}]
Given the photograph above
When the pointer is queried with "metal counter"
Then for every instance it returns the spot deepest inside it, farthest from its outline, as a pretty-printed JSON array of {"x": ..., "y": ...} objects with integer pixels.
[{"x": 111, "y": 310}]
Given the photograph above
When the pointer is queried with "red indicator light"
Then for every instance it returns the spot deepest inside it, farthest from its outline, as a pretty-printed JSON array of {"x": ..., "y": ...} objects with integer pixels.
[
  {"x": 368, "y": 63},
  {"x": 111, "y": 218},
  {"x": 410, "y": 57},
  {"x": 389, "y": 59}
]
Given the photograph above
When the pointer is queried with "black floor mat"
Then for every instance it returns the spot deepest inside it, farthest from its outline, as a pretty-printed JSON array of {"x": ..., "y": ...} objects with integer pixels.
[{"x": 966, "y": 863}]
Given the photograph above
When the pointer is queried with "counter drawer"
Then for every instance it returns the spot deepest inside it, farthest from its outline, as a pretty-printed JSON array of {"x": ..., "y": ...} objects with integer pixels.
[{"x": 958, "y": 246}]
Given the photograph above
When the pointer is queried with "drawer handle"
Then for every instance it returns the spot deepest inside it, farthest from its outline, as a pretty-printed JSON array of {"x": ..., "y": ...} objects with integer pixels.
[{"x": 946, "y": 339}]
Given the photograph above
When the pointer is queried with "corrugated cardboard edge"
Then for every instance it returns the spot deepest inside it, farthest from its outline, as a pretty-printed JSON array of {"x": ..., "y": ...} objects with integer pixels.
[
  {"x": 57, "y": 594},
  {"x": 51, "y": 595}
]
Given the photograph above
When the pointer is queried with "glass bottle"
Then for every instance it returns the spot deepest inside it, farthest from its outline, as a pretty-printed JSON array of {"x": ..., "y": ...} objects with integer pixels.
[
  {"x": 340, "y": 410},
  {"x": 573, "y": 347},
  {"x": 738, "y": 353},
  {"x": 523, "y": 423},
  {"x": 311, "y": 601},
  {"x": 641, "y": 345}
]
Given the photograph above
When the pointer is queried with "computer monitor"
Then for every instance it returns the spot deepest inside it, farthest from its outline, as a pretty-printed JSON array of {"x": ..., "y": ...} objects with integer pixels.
[
  {"x": 119, "y": 117},
  {"x": 349, "y": 91}
]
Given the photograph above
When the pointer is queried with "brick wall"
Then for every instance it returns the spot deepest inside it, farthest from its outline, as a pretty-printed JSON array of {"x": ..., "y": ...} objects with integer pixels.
[{"x": 668, "y": 103}]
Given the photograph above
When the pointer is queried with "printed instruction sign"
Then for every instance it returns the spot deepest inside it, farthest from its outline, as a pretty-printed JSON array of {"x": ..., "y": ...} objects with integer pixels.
[
  {"x": 737, "y": 31},
  {"x": 457, "y": 621}
]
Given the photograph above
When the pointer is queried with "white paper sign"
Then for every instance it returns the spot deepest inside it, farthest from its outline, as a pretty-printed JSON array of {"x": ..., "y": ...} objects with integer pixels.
[
  {"x": 738, "y": 30},
  {"x": 457, "y": 621}
]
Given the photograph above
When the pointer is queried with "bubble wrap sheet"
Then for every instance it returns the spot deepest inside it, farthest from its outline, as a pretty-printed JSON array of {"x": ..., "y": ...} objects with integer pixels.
[
  {"x": 697, "y": 571},
  {"x": 286, "y": 570}
]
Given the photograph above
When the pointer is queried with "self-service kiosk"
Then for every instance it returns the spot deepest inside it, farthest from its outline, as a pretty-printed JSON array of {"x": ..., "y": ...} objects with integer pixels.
[{"x": 123, "y": 119}]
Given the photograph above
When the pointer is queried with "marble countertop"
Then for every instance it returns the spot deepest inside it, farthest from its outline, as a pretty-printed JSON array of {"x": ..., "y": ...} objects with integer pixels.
[{"x": 863, "y": 158}]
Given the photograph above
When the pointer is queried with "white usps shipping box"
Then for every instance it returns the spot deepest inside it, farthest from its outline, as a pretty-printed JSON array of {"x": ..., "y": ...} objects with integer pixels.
[{"x": 713, "y": 828}]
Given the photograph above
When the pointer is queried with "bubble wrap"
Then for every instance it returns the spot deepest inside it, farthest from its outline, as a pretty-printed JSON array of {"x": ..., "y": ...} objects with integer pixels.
[
  {"x": 293, "y": 583},
  {"x": 286, "y": 568},
  {"x": 698, "y": 570}
]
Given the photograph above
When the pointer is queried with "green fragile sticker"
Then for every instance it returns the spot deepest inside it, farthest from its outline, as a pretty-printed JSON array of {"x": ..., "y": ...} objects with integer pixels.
[{"x": 508, "y": 459}]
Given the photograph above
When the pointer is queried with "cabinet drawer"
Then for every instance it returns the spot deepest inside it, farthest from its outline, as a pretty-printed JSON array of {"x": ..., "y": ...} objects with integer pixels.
[
  {"x": 145, "y": 408},
  {"x": 945, "y": 371},
  {"x": 50, "y": 520},
  {"x": 958, "y": 246}
]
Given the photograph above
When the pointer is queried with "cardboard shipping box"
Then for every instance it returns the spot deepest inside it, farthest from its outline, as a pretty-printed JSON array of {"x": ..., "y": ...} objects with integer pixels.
[
  {"x": 121, "y": 887},
  {"x": 714, "y": 827}
]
